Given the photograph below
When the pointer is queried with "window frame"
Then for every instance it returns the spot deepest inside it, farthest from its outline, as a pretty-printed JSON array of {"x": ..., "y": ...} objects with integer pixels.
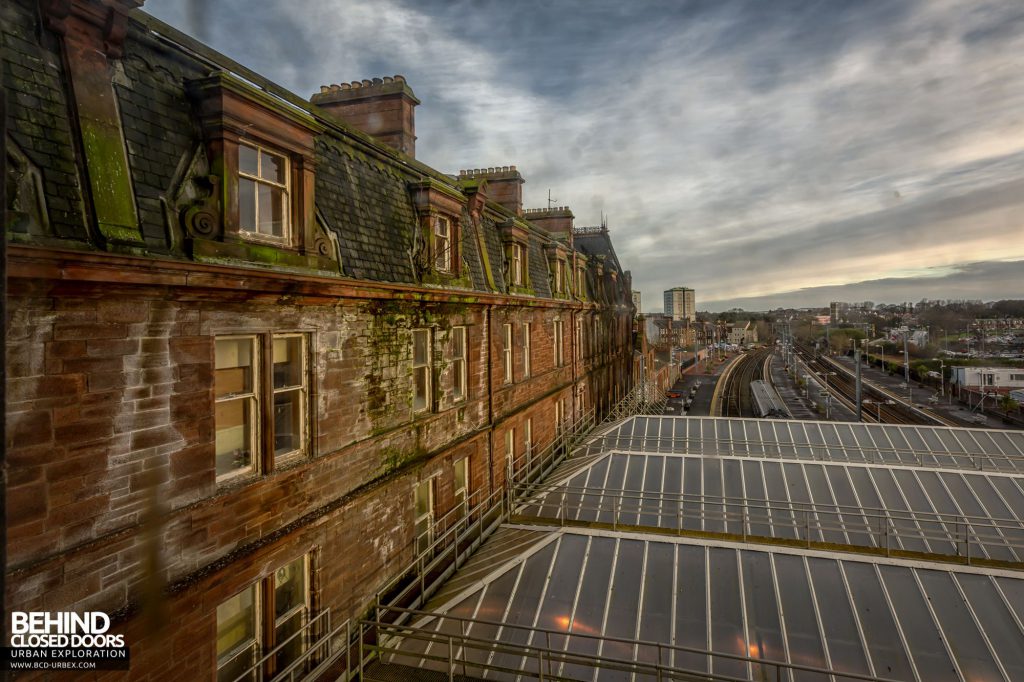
[
  {"x": 461, "y": 465},
  {"x": 266, "y": 622},
  {"x": 506, "y": 353},
  {"x": 527, "y": 349},
  {"x": 423, "y": 539},
  {"x": 558, "y": 354},
  {"x": 447, "y": 239},
  {"x": 580, "y": 339},
  {"x": 254, "y": 397},
  {"x": 263, "y": 427},
  {"x": 302, "y": 389},
  {"x": 460, "y": 380},
  {"x": 515, "y": 264},
  {"x": 510, "y": 450},
  {"x": 426, "y": 367},
  {"x": 255, "y": 235},
  {"x": 528, "y": 437}
]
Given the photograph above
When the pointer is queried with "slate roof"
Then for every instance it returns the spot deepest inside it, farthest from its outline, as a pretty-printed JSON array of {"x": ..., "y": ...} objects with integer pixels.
[{"x": 362, "y": 188}]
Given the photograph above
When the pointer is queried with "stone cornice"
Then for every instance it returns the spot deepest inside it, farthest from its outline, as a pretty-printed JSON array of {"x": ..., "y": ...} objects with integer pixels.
[{"x": 103, "y": 269}]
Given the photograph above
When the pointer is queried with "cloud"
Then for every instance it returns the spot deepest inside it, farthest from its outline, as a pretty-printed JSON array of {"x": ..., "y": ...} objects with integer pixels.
[
  {"x": 738, "y": 148},
  {"x": 971, "y": 281}
]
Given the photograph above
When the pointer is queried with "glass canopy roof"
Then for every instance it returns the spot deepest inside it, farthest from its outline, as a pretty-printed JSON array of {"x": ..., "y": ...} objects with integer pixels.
[
  {"x": 665, "y": 539},
  {"x": 876, "y": 617},
  {"x": 999, "y": 450}
]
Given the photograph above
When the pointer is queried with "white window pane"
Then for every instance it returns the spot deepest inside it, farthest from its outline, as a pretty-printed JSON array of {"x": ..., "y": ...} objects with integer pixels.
[
  {"x": 236, "y": 634},
  {"x": 288, "y": 421},
  {"x": 246, "y": 205},
  {"x": 233, "y": 367},
  {"x": 248, "y": 160},
  {"x": 271, "y": 210},
  {"x": 459, "y": 340},
  {"x": 420, "y": 383},
  {"x": 290, "y": 587},
  {"x": 288, "y": 362},
  {"x": 423, "y": 499},
  {"x": 272, "y": 167},
  {"x": 419, "y": 347},
  {"x": 233, "y": 449}
]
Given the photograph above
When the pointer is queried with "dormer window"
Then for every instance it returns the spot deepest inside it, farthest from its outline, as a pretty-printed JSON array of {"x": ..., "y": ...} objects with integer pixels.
[
  {"x": 515, "y": 260},
  {"x": 516, "y": 237},
  {"x": 263, "y": 204},
  {"x": 438, "y": 254},
  {"x": 442, "y": 244},
  {"x": 255, "y": 180}
]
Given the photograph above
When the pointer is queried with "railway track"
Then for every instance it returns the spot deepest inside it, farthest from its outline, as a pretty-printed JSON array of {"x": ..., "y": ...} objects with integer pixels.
[
  {"x": 844, "y": 387},
  {"x": 736, "y": 398}
]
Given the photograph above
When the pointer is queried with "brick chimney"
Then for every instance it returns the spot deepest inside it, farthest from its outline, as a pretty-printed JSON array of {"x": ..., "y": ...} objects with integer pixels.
[
  {"x": 381, "y": 108},
  {"x": 504, "y": 185},
  {"x": 556, "y": 220}
]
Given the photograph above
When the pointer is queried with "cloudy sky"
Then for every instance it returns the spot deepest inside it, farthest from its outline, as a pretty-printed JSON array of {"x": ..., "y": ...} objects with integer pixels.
[{"x": 762, "y": 152}]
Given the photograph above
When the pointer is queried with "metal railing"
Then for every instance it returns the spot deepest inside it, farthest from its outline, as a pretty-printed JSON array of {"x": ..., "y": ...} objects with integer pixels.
[
  {"x": 456, "y": 534},
  {"x": 323, "y": 648},
  {"x": 447, "y": 644},
  {"x": 412, "y": 585},
  {"x": 534, "y": 464},
  {"x": 967, "y": 537},
  {"x": 825, "y": 452},
  {"x": 644, "y": 398}
]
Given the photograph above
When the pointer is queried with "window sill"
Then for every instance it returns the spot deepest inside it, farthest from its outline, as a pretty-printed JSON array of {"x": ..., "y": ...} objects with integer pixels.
[{"x": 261, "y": 254}]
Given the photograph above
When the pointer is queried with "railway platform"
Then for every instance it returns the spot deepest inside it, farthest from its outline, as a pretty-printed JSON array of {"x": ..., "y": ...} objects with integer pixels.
[
  {"x": 921, "y": 395},
  {"x": 705, "y": 380}
]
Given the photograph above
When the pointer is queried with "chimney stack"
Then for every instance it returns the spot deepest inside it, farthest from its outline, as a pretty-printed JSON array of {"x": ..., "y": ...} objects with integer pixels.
[
  {"x": 504, "y": 185},
  {"x": 557, "y": 220},
  {"x": 381, "y": 108}
]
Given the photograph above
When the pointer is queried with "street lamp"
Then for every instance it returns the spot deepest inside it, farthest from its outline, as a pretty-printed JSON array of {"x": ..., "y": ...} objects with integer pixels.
[
  {"x": 942, "y": 377},
  {"x": 828, "y": 396},
  {"x": 880, "y": 403}
]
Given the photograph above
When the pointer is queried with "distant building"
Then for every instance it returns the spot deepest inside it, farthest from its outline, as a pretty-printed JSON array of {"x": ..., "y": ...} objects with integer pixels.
[
  {"x": 987, "y": 377},
  {"x": 636, "y": 302},
  {"x": 837, "y": 311},
  {"x": 680, "y": 304},
  {"x": 741, "y": 333}
]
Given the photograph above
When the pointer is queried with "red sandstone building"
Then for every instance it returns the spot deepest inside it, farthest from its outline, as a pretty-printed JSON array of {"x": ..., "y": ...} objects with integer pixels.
[{"x": 258, "y": 354}]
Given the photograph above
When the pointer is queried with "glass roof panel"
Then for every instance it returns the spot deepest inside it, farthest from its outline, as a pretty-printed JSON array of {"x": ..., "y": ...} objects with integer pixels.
[
  {"x": 888, "y": 651},
  {"x": 838, "y": 620},
  {"x": 970, "y": 648},
  {"x": 728, "y": 634},
  {"x": 925, "y": 641},
  {"x": 691, "y": 617},
  {"x": 1002, "y": 629},
  {"x": 803, "y": 633}
]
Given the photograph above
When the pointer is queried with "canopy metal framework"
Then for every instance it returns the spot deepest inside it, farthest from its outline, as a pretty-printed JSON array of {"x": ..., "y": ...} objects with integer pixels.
[
  {"x": 878, "y": 618},
  {"x": 703, "y": 548},
  {"x": 916, "y": 509},
  {"x": 935, "y": 446}
]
